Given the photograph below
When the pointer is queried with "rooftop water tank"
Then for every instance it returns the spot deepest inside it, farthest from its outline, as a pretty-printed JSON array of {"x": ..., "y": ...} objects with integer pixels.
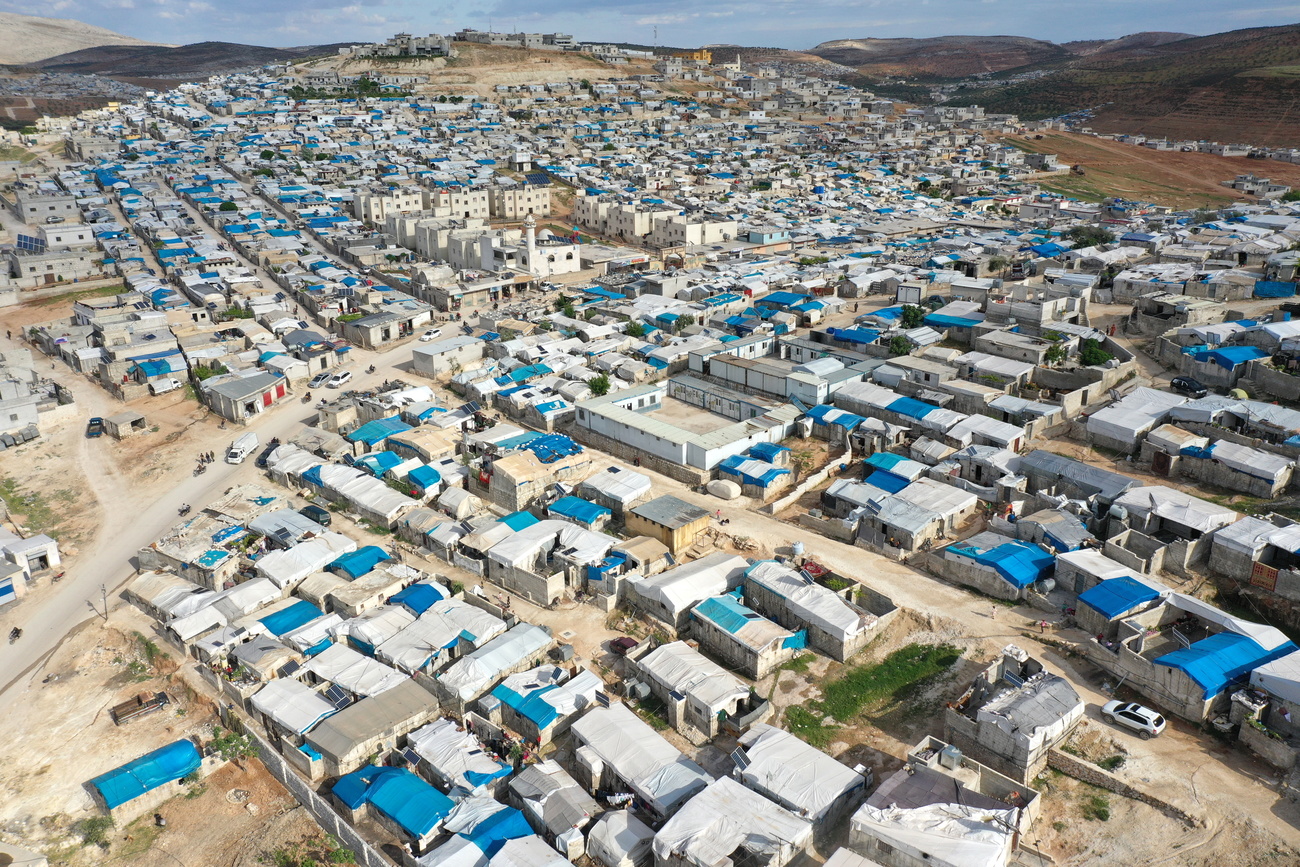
[{"x": 950, "y": 757}]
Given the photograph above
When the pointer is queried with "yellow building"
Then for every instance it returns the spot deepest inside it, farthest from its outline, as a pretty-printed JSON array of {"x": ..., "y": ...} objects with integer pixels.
[{"x": 703, "y": 55}]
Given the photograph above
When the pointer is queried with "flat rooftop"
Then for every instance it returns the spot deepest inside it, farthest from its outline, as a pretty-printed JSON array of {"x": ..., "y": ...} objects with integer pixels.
[{"x": 688, "y": 417}]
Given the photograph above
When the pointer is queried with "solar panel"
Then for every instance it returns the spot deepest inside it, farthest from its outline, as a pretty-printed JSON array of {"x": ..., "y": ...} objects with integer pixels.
[
  {"x": 411, "y": 756},
  {"x": 740, "y": 758},
  {"x": 472, "y": 406},
  {"x": 537, "y": 178},
  {"x": 335, "y": 693},
  {"x": 602, "y": 699},
  {"x": 30, "y": 244},
  {"x": 289, "y": 668}
]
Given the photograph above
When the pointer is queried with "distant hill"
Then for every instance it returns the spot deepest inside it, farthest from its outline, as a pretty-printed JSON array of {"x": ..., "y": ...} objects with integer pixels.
[
  {"x": 1241, "y": 86},
  {"x": 1134, "y": 43},
  {"x": 181, "y": 63},
  {"x": 26, "y": 39},
  {"x": 939, "y": 57}
]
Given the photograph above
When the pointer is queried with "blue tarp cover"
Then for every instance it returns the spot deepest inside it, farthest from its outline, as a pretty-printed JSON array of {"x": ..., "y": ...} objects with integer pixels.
[
  {"x": 1219, "y": 660},
  {"x": 551, "y": 447},
  {"x": 824, "y": 414},
  {"x": 357, "y": 563},
  {"x": 886, "y": 481},
  {"x": 531, "y": 706},
  {"x": 377, "y": 463},
  {"x": 726, "y": 612},
  {"x": 147, "y": 773},
  {"x": 377, "y": 431},
  {"x": 1114, "y": 596},
  {"x": 579, "y": 510},
  {"x": 1020, "y": 563},
  {"x": 424, "y": 477},
  {"x": 288, "y": 619},
  {"x": 1273, "y": 289},
  {"x": 884, "y": 460},
  {"x": 399, "y": 794},
  {"x": 494, "y": 831},
  {"x": 519, "y": 520},
  {"x": 418, "y": 597},
  {"x": 911, "y": 407},
  {"x": 1229, "y": 357},
  {"x": 751, "y": 471},
  {"x": 767, "y": 451}
]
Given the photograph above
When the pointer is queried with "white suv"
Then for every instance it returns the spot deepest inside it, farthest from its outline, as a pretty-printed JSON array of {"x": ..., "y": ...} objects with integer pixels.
[{"x": 1143, "y": 720}]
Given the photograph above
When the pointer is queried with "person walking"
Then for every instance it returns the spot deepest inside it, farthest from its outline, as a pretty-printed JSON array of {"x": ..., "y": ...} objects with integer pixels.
[
  {"x": 1042, "y": 626},
  {"x": 993, "y": 612}
]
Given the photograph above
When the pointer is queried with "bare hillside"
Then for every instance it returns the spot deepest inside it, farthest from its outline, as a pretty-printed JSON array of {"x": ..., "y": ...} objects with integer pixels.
[{"x": 27, "y": 39}]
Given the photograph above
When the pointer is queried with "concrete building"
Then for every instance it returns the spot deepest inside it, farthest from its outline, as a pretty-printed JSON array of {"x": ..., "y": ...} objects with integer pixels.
[
  {"x": 697, "y": 692},
  {"x": 1012, "y": 715},
  {"x": 743, "y": 639},
  {"x": 834, "y": 624},
  {"x": 669, "y": 596},
  {"x": 799, "y": 777},
  {"x": 672, "y": 521},
  {"x": 373, "y": 725}
]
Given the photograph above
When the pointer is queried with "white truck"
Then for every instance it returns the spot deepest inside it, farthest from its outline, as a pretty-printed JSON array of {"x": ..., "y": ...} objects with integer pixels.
[
  {"x": 241, "y": 448},
  {"x": 162, "y": 386}
]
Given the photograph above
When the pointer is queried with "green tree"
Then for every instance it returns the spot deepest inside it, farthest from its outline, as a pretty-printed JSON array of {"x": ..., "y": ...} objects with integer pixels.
[
  {"x": 998, "y": 264},
  {"x": 94, "y": 831},
  {"x": 912, "y": 317},
  {"x": 563, "y": 301},
  {"x": 231, "y": 746},
  {"x": 267, "y": 154},
  {"x": 899, "y": 345},
  {"x": 686, "y": 320},
  {"x": 635, "y": 329},
  {"x": 1091, "y": 353},
  {"x": 228, "y": 206},
  {"x": 599, "y": 385},
  {"x": 1089, "y": 236},
  {"x": 1055, "y": 355},
  {"x": 609, "y": 146},
  {"x": 1291, "y": 196}
]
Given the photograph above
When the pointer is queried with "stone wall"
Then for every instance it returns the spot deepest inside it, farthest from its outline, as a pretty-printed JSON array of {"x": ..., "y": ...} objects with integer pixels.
[
  {"x": 1277, "y": 753},
  {"x": 600, "y": 442},
  {"x": 1093, "y": 775},
  {"x": 1262, "y": 380}
]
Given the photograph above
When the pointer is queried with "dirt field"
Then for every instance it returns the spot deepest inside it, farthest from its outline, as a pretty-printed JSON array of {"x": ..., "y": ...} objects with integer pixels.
[{"x": 1179, "y": 180}]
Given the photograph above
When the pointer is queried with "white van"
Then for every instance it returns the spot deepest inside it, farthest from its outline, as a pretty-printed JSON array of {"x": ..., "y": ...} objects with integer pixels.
[
  {"x": 241, "y": 448},
  {"x": 162, "y": 386}
]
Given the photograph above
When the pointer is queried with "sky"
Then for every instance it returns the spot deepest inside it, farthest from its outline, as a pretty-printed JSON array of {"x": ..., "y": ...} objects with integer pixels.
[{"x": 682, "y": 23}]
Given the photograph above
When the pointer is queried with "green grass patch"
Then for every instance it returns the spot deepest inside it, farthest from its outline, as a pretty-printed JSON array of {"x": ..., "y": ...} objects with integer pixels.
[
  {"x": 81, "y": 295},
  {"x": 896, "y": 677},
  {"x": 40, "y": 516},
  {"x": 1112, "y": 763},
  {"x": 803, "y": 724},
  {"x": 1096, "y": 808},
  {"x": 14, "y": 152},
  {"x": 799, "y": 664}
]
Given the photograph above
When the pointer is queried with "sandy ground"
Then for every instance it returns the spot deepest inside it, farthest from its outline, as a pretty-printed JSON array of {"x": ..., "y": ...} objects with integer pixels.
[{"x": 1172, "y": 178}]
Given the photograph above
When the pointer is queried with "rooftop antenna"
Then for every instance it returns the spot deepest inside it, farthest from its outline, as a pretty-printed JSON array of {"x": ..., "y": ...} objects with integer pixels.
[{"x": 656, "y": 45}]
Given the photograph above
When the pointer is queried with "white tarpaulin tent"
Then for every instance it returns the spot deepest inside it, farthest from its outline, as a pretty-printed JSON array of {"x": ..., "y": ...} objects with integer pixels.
[
  {"x": 797, "y": 776},
  {"x": 169, "y": 593},
  {"x": 376, "y": 626},
  {"x": 685, "y": 586},
  {"x": 439, "y": 628},
  {"x": 655, "y": 769},
  {"x": 309, "y": 635},
  {"x": 725, "y": 817},
  {"x": 1131, "y": 416},
  {"x": 678, "y": 667},
  {"x": 455, "y": 756},
  {"x": 357, "y": 674},
  {"x": 286, "y": 568},
  {"x": 1281, "y": 677},
  {"x": 812, "y": 603},
  {"x": 470, "y": 676},
  {"x": 946, "y": 835},
  {"x": 456, "y": 852},
  {"x": 530, "y": 851},
  {"x": 292, "y": 705},
  {"x": 620, "y": 839}
]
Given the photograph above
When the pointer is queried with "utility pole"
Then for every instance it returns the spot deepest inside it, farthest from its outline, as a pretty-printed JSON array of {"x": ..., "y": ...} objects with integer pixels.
[{"x": 103, "y": 595}]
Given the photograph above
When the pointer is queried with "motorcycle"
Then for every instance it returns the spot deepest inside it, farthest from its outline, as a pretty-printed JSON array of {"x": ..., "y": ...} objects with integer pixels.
[
  {"x": 184, "y": 510},
  {"x": 15, "y": 634},
  {"x": 370, "y": 369},
  {"x": 200, "y": 469},
  {"x": 306, "y": 398},
  {"x": 57, "y": 577}
]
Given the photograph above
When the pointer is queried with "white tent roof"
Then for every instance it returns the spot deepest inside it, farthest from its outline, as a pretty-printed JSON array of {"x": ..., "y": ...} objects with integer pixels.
[
  {"x": 685, "y": 586},
  {"x": 725, "y": 817},
  {"x": 620, "y": 839},
  {"x": 171, "y": 594},
  {"x": 1267, "y": 637},
  {"x": 377, "y": 625},
  {"x": 245, "y": 598},
  {"x": 1281, "y": 677},
  {"x": 1250, "y": 535},
  {"x": 292, "y": 704},
  {"x": 311, "y": 634},
  {"x": 798, "y": 776},
  {"x": 679, "y": 667},
  {"x": 530, "y": 851},
  {"x": 1134, "y": 414},
  {"x": 453, "y": 752},
  {"x": 470, "y": 676},
  {"x": 286, "y": 568},
  {"x": 1174, "y": 505},
  {"x": 951, "y": 835},
  {"x": 357, "y": 674},
  {"x": 810, "y": 602},
  {"x": 619, "y": 485},
  {"x": 654, "y": 768},
  {"x": 456, "y": 852}
]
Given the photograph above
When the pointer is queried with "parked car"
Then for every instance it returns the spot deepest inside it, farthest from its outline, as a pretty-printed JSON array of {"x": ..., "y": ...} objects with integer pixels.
[
  {"x": 431, "y": 334},
  {"x": 317, "y": 514},
  {"x": 339, "y": 379},
  {"x": 1185, "y": 385},
  {"x": 320, "y": 380},
  {"x": 95, "y": 427},
  {"x": 1143, "y": 720},
  {"x": 265, "y": 455},
  {"x": 53, "y": 220},
  {"x": 622, "y": 646}
]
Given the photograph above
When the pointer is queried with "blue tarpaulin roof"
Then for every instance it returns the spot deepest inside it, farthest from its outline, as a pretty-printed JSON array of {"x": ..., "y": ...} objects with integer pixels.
[
  {"x": 519, "y": 520},
  {"x": 1114, "y": 596},
  {"x": 359, "y": 562},
  {"x": 493, "y": 832},
  {"x": 418, "y": 597},
  {"x": 377, "y": 431},
  {"x": 1020, "y": 563},
  {"x": 824, "y": 414},
  {"x": 551, "y": 447},
  {"x": 531, "y": 706},
  {"x": 751, "y": 470},
  {"x": 413, "y": 804},
  {"x": 767, "y": 451},
  {"x": 726, "y": 612},
  {"x": 377, "y": 463},
  {"x": 288, "y": 619},
  {"x": 1230, "y": 356},
  {"x": 911, "y": 407},
  {"x": 884, "y": 460},
  {"x": 886, "y": 481},
  {"x": 147, "y": 773},
  {"x": 942, "y": 320},
  {"x": 1274, "y": 289},
  {"x": 424, "y": 477},
  {"x": 1217, "y": 661},
  {"x": 578, "y": 509},
  {"x": 855, "y": 335}
]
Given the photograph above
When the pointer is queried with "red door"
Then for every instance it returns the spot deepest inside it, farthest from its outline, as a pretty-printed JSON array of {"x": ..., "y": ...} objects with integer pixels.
[
  {"x": 266, "y": 398},
  {"x": 279, "y": 390}
]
